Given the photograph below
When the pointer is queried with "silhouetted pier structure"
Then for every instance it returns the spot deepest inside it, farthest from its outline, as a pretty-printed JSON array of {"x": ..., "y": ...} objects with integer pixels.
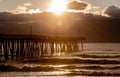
[{"x": 26, "y": 46}]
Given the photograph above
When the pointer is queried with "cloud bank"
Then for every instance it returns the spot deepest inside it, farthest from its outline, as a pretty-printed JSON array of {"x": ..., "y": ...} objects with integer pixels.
[
  {"x": 95, "y": 28},
  {"x": 22, "y": 9},
  {"x": 77, "y": 5},
  {"x": 113, "y": 11}
]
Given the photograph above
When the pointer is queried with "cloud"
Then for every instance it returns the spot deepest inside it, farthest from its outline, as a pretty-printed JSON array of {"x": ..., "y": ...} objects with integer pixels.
[
  {"x": 94, "y": 27},
  {"x": 27, "y": 4},
  {"x": 77, "y": 5},
  {"x": 95, "y": 7},
  {"x": 34, "y": 11},
  {"x": 112, "y": 11},
  {"x": 22, "y": 9}
]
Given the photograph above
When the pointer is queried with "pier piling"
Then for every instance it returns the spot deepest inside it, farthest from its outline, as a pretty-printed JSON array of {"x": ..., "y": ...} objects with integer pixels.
[{"x": 22, "y": 46}]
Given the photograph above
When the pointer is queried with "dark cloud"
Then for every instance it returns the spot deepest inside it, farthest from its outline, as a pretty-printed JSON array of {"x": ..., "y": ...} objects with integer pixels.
[
  {"x": 77, "y": 5},
  {"x": 95, "y": 28},
  {"x": 113, "y": 11}
]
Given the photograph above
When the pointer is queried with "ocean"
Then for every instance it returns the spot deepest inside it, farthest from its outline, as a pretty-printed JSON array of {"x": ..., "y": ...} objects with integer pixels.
[{"x": 97, "y": 60}]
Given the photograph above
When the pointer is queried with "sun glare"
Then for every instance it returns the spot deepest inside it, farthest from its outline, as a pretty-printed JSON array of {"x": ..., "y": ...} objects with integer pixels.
[{"x": 58, "y": 6}]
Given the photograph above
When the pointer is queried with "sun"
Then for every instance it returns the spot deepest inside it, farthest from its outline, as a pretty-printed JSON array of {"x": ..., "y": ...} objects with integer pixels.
[{"x": 58, "y": 6}]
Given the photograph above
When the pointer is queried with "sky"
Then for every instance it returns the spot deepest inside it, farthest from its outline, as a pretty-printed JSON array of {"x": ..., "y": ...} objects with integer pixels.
[{"x": 10, "y": 5}]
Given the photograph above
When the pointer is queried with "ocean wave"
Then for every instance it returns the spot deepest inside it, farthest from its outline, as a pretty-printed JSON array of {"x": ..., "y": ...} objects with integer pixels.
[
  {"x": 8, "y": 68},
  {"x": 98, "y": 55}
]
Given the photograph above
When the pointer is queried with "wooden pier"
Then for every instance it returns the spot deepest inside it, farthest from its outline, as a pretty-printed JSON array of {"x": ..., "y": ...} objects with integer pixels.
[{"x": 25, "y": 46}]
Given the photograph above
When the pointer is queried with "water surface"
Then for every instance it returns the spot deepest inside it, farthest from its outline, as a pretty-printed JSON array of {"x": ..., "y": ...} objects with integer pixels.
[{"x": 97, "y": 59}]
